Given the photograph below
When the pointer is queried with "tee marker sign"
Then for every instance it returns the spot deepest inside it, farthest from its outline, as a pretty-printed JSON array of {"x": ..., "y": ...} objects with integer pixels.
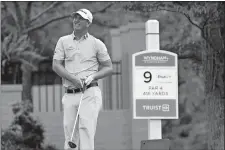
[{"x": 155, "y": 85}]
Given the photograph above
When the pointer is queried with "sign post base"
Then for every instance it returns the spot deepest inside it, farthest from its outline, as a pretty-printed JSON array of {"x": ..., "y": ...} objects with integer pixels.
[{"x": 158, "y": 144}]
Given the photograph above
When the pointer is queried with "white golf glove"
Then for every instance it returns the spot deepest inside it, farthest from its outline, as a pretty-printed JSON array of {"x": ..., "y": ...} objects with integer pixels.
[{"x": 89, "y": 79}]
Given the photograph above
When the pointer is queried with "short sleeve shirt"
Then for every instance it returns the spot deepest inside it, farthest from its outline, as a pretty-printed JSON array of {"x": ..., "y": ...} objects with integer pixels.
[{"x": 81, "y": 57}]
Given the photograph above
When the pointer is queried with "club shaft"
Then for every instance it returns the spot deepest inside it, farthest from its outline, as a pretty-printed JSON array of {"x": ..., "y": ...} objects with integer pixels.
[{"x": 76, "y": 116}]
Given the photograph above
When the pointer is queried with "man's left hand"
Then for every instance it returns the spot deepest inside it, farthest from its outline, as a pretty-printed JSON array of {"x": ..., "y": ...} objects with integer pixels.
[{"x": 89, "y": 79}]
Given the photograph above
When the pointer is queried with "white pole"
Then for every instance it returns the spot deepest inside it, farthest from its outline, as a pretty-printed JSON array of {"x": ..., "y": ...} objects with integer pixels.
[{"x": 152, "y": 43}]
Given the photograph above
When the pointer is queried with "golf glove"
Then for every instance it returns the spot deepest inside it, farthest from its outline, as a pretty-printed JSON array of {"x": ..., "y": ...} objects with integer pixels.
[{"x": 89, "y": 80}]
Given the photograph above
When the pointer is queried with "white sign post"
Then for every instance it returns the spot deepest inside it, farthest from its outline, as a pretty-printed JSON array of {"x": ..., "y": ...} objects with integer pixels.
[
  {"x": 155, "y": 83},
  {"x": 152, "y": 43}
]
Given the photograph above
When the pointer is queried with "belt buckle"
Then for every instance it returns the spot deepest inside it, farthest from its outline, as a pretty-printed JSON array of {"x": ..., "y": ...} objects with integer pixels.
[{"x": 82, "y": 89}]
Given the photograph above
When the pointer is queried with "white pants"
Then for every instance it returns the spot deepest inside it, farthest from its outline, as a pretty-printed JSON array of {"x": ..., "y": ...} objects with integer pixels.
[{"x": 87, "y": 121}]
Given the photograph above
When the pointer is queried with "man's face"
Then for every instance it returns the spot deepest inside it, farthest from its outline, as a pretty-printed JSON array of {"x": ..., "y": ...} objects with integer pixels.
[{"x": 79, "y": 23}]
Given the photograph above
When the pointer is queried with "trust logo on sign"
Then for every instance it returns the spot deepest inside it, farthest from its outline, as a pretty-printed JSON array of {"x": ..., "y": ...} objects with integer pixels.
[{"x": 165, "y": 107}]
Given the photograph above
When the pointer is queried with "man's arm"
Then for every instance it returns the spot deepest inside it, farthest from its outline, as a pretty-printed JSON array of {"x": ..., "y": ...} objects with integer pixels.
[
  {"x": 105, "y": 64},
  {"x": 57, "y": 64},
  {"x": 62, "y": 72}
]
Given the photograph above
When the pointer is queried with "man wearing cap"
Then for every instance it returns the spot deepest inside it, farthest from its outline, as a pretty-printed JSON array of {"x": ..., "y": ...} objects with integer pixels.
[{"x": 81, "y": 56}]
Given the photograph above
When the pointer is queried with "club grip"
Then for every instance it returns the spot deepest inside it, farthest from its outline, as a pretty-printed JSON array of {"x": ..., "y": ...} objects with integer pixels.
[{"x": 83, "y": 85}]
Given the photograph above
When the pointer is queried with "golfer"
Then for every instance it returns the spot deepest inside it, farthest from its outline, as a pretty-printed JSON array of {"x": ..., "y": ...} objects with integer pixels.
[{"x": 81, "y": 57}]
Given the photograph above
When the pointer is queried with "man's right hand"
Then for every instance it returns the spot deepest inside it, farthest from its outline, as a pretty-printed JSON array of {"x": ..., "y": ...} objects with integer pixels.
[{"x": 77, "y": 82}]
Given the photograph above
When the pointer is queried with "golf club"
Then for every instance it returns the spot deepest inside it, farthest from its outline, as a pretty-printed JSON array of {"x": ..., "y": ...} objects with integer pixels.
[{"x": 71, "y": 143}]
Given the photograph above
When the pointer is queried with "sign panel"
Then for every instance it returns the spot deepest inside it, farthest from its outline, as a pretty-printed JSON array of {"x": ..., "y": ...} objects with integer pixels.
[{"x": 155, "y": 85}]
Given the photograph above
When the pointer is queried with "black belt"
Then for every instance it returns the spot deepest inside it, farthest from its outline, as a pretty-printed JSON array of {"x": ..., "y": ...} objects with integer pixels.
[{"x": 79, "y": 90}]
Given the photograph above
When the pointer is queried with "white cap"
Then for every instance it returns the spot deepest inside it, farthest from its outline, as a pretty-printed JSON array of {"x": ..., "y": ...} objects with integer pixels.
[{"x": 86, "y": 14}]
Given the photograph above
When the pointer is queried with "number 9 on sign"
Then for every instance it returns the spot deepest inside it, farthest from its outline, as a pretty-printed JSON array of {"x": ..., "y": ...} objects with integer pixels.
[{"x": 148, "y": 76}]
